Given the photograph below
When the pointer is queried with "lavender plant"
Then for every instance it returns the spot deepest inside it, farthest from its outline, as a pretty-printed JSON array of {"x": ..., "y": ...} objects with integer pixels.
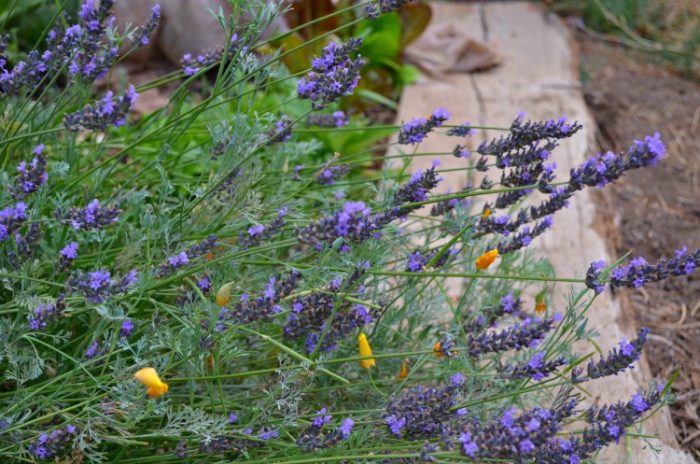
[{"x": 173, "y": 288}]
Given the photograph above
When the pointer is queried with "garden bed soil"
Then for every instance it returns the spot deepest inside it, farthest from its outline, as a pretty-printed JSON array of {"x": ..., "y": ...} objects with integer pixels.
[{"x": 652, "y": 212}]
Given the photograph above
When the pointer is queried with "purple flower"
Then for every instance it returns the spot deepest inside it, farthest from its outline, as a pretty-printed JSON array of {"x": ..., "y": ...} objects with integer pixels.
[
  {"x": 267, "y": 434},
  {"x": 93, "y": 216},
  {"x": 184, "y": 257},
  {"x": 98, "y": 286},
  {"x": 469, "y": 448},
  {"x": 415, "y": 130},
  {"x": 232, "y": 418},
  {"x": 322, "y": 418},
  {"x": 46, "y": 313},
  {"x": 126, "y": 328},
  {"x": 48, "y": 445},
  {"x": 103, "y": 113},
  {"x": 144, "y": 33},
  {"x": 91, "y": 350},
  {"x": 619, "y": 359},
  {"x": 330, "y": 175},
  {"x": 332, "y": 75},
  {"x": 395, "y": 425},
  {"x": 638, "y": 272},
  {"x": 191, "y": 66},
  {"x": 70, "y": 251},
  {"x": 461, "y": 131},
  {"x": 346, "y": 427},
  {"x": 30, "y": 176}
]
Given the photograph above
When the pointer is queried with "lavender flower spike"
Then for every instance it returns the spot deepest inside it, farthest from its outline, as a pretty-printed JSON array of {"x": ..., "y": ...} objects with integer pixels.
[
  {"x": 98, "y": 286},
  {"x": 93, "y": 216},
  {"x": 103, "y": 113},
  {"x": 30, "y": 176},
  {"x": 619, "y": 359},
  {"x": 332, "y": 75},
  {"x": 417, "y": 129},
  {"x": 638, "y": 273}
]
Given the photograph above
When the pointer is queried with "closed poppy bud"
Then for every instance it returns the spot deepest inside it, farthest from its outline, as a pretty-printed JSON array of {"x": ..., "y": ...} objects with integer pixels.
[
  {"x": 437, "y": 350},
  {"x": 485, "y": 260},
  {"x": 149, "y": 377},
  {"x": 223, "y": 296},
  {"x": 210, "y": 256},
  {"x": 403, "y": 373},
  {"x": 365, "y": 351},
  {"x": 540, "y": 308},
  {"x": 540, "y": 304},
  {"x": 210, "y": 363}
]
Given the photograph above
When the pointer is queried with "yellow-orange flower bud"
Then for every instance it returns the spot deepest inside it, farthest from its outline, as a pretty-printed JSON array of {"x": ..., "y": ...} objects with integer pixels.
[
  {"x": 540, "y": 307},
  {"x": 437, "y": 350},
  {"x": 149, "y": 377},
  {"x": 223, "y": 296},
  {"x": 365, "y": 351},
  {"x": 403, "y": 373},
  {"x": 485, "y": 260},
  {"x": 486, "y": 213}
]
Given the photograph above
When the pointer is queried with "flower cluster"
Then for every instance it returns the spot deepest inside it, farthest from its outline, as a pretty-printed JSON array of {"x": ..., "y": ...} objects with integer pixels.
[
  {"x": 336, "y": 119},
  {"x": 192, "y": 65},
  {"x": 52, "y": 444},
  {"x": 93, "y": 216},
  {"x": 424, "y": 412},
  {"x": 99, "y": 285},
  {"x": 619, "y": 359},
  {"x": 523, "y": 334},
  {"x": 332, "y": 75},
  {"x": 511, "y": 437},
  {"x": 418, "y": 186},
  {"x": 103, "y": 113},
  {"x": 25, "y": 245},
  {"x": 638, "y": 272},
  {"x": 313, "y": 437},
  {"x": 607, "y": 425},
  {"x": 261, "y": 232},
  {"x": 45, "y": 313},
  {"x": 183, "y": 258},
  {"x": 281, "y": 131},
  {"x": 508, "y": 305},
  {"x": 523, "y": 133},
  {"x": 81, "y": 46},
  {"x": 144, "y": 33},
  {"x": 443, "y": 207},
  {"x": 415, "y": 130},
  {"x": 524, "y": 237},
  {"x": 252, "y": 309},
  {"x": 326, "y": 317},
  {"x": 418, "y": 260},
  {"x": 356, "y": 223},
  {"x": 11, "y": 219},
  {"x": 463, "y": 130},
  {"x": 329, "y": 175},
  {"x": 30, "y": 176},
  {"x": 537, "y": 368},
  {"x": 126, "y": 328},
  {"x": 68, "y": 254}
]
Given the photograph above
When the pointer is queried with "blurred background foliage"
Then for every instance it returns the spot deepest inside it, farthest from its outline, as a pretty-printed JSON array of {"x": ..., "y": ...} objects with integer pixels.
[
  {"x": 667, "y": 30},
  {"x": 384, "y": 39},
  {"x": 26, "y": 20}
]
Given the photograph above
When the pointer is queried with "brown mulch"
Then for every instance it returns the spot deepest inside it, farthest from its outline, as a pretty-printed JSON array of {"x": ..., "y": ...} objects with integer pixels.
[{"x": 655, "y": 210}]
